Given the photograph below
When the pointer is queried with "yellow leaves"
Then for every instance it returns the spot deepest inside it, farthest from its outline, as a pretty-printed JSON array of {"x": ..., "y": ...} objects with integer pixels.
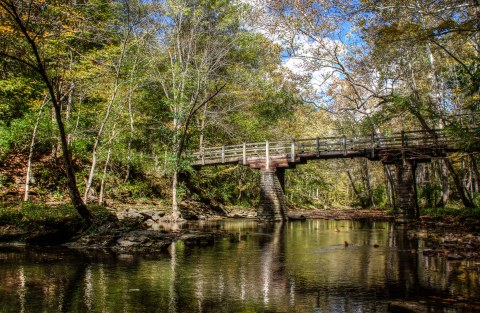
[{"x": 6, "y": 29}]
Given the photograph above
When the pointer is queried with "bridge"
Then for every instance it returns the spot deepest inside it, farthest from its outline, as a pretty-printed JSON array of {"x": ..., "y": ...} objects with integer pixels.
[{"x": 405, "y": 149}]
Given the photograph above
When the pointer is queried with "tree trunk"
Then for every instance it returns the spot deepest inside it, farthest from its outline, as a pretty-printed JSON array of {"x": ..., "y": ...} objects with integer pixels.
[
  {"x": 202, "y": 129},
  {"x": 458, "y": 184},
  {"x": 30, "y": 154},
  {"x": 390, "y": 186},
  {"x": 355, "y": 190},
  {"x": 130, "y": 115},
  {"x": 445, "y": 183},
  {"x": 71, "y": 179},
  {"x": 175, "y": 211},
  {"x": 130, "y": 139},
  {"x": 107, "y": 115},
  {"x": 56, "y": 98},
  {"x": 69, "y": 110},
  {"x": 475, "y": 173},
  {"x": 366, "y": 179},
  {"x": 104, "y": 174}
]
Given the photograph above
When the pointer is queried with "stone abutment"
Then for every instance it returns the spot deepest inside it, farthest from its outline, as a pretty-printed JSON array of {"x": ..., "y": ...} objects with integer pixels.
[{"x": 273, "y": 206}]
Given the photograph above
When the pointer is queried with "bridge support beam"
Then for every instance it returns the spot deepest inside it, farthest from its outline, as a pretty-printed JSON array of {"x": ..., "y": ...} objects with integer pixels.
[
  {"x": 406, "y": 207},
  {"x": 273, "y": 206}
]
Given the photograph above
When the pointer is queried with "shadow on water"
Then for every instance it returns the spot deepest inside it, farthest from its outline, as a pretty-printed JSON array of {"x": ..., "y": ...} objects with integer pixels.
[{"x": 312, "y": 266}]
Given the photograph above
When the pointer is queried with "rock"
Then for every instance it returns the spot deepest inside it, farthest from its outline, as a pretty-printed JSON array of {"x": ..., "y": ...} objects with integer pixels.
[
  {"x": 406, "y": 307},
  {"x": 429, "y": 252},
  {"x": 193, "y": 210},
  {"x": 454, "y": 256},
  {"x": 197, "y": 239},
  {"x": 149, "y": 223},
  {"x": 142, "y": 241},
  {"x": 140, "y": 214}
]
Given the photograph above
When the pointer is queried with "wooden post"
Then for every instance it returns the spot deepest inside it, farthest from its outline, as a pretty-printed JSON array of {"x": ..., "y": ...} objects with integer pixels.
[
  {"x": 344, "y": 142},
  {"x": 318, "y": 146},
  {"x": 244, "y": 152},
  {"x": 223, "y": 154},
  {"x": 373, "y": 146},
  {"x": 292, "y": 152},
  {"x": 267, "y": 156}
]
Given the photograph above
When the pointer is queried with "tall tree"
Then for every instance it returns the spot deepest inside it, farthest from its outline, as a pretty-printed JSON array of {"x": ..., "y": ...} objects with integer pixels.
[
  {"x": 196, "y": 38},
  {"x": 36, "y": 35},
  {"x": 129, "y": 18}
]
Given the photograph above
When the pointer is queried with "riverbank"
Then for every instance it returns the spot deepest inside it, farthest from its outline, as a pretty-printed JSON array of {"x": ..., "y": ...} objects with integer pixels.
[{"x": 146, "y": 228}]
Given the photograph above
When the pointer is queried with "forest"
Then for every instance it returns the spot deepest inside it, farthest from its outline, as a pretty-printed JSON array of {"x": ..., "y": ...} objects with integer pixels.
[{"x": 106, "y": 101}]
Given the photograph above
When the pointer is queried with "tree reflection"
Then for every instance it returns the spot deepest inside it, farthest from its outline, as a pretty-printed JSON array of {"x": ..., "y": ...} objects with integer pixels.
[{"x": 291, "y": 267}]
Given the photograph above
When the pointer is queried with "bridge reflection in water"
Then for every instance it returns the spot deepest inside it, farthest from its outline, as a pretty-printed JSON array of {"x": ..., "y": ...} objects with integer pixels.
[{"x": 290, "y": 267}]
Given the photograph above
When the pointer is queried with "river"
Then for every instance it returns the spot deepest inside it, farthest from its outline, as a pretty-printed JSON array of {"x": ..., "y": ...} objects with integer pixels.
[{"x": 311, "y": 266}]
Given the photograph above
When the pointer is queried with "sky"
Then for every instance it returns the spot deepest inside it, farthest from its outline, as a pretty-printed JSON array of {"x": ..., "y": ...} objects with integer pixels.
[{"x": 303, "y": 59}]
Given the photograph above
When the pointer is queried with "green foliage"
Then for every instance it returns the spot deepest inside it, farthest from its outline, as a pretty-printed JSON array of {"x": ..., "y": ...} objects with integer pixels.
[
  {"x": 452, "y": 210},
  {"x": 16, "y": 96},
  {"x": 34, "y": 214},
  {"x": 133, "y": 56}
]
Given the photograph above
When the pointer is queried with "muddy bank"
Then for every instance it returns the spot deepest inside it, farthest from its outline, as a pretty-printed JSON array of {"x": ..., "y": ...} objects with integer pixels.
[
  {"x": 455, "y": 238},
  {"x": 433, "y": 305},
  {"x": 344, "y": 214},
  {"x": 131, "y": 230}
]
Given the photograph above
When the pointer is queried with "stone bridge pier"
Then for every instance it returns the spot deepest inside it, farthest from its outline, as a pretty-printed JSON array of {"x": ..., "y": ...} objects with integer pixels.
[
  {"x": 272, "y": 206},
  {"x": 406, "y": 208}
]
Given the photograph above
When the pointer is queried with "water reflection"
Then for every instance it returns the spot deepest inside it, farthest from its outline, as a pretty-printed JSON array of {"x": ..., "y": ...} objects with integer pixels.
[{"x": 292, "y": 267}]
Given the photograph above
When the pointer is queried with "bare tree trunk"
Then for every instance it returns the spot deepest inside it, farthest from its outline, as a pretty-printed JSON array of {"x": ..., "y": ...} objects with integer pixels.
[
  {"x": 366, "y": 179},
  {"x": 428, "y": 184},
  {"x": 130, "y": 139},
  {"x": 355, "y": 190},
  {"x": 30, "y": 154},
  {"x": 68, "y": 110},
  {"x": 458, "y": 184},
  {"x": 104, "y": 175},
  {"x": 105, "y": 118},
  {"x": 475, "y": 173},
  {"x": 445, "y": 184},
  {"x": 130, "y": 115},
  {"x": 175, "y": 211},
  {"x": 54, "y": 151},
  {"x": 202, "y": 128},
  {"x": 77, "y": 122},
  {"x": 391, "y": 185}
]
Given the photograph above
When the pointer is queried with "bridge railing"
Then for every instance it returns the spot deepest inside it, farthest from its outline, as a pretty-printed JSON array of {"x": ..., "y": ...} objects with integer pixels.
[{"x": 322, "y": 145}]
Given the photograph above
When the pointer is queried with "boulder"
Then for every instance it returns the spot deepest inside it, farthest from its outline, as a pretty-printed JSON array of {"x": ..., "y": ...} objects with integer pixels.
[{"x": 142, "y": 241}]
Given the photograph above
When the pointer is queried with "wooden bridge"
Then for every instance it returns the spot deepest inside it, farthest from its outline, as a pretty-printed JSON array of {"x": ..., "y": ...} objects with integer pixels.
[
  {"x": 286, "y": 154},
  {"x": 404, "y": 149}
]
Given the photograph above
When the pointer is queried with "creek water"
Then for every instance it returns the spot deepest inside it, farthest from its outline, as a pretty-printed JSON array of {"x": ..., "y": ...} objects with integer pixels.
[{"x": 294, "y": 267}]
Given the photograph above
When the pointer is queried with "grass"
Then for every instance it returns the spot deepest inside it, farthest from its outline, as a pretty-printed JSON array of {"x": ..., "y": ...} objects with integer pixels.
[
  {"x": 452, "y": 211},
  {"x": 31, "y": 214}
]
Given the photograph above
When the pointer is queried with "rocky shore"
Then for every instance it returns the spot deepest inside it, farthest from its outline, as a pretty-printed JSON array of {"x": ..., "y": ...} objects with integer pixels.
[{"x": 144, "y": 229}]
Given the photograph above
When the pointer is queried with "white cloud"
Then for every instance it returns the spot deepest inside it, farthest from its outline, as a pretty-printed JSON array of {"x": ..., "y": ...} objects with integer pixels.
[{"x": 308, "y": 57}]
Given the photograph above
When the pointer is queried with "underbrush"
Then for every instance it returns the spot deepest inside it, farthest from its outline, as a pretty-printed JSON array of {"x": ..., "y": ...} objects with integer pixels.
[
  {"x": 456, "y": 211},
  {"x": 31, "y": 214}
]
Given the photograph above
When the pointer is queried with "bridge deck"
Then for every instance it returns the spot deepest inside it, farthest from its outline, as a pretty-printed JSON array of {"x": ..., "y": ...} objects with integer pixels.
[{"x": 298, "y": 151}]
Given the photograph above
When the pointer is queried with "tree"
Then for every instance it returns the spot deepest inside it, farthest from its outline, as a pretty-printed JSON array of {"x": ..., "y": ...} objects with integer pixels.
[
  {"x": 196, "y": 38},
  {"x": 129, "y": 19},
  {"x": 33, "y": 35}
]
